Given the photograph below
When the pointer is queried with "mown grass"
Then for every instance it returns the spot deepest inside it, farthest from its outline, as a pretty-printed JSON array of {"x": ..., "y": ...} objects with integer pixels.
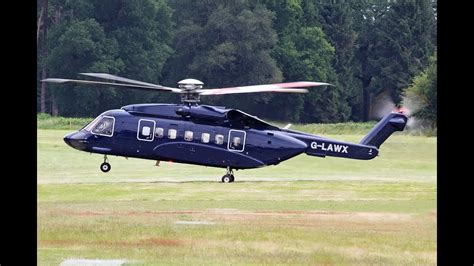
[{"x": 305, "y": 211}]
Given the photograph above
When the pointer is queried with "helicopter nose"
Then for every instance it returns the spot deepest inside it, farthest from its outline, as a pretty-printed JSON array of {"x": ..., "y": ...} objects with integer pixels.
[{"x": 77, "y": 140}]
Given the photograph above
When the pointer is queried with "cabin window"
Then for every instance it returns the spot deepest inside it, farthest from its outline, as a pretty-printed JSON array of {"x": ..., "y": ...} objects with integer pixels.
[
  {"x": 188, "y": 136},
  {"x": 205, "y": 137},
  {"x": 236, "y": 140},
  {"x": 219, "y": 139},
  {"x": 145, "y": 130},
  {"x": 172, "y": 133},
  {"x": 104, "y": 127},
  {"x": 159, "y": 132}
]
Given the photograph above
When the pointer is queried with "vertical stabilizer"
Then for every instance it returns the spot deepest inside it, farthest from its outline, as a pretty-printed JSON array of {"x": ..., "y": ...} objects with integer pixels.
[{"x": 384, "y": 128}]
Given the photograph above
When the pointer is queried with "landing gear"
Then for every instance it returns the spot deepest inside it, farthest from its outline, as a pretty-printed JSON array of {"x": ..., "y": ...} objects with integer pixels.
[
  {"x": 105, "y": 166},
  {"x": 229, "y": 177}
]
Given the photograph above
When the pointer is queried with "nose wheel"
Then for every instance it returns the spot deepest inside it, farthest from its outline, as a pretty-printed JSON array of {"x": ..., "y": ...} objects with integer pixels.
[
  {"x": 105, "y": 166},
  {"x": 229, "y": 177}
]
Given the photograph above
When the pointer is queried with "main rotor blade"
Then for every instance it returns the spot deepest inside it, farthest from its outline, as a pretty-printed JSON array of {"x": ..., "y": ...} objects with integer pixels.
[
  {"x": 279, "y": 87},
  {"x": 127, "y": 80},
  {"x": 140, "y": 87}
]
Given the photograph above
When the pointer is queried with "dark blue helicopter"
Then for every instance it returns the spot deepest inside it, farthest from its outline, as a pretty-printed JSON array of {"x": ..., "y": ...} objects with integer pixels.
[{"x": 209, "y": 135}]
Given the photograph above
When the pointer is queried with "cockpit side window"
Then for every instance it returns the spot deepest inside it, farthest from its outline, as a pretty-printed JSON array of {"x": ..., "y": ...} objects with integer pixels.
[{"x": 104, "y": 127}]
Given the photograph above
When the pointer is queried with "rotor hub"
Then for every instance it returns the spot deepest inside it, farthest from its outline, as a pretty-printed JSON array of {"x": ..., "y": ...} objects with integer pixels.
[
  {"x": 189, "y": 88},
  {"x": 190, "y": 84}
]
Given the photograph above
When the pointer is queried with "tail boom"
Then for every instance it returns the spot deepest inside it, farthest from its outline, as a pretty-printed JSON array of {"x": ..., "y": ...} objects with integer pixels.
[
  {"x": 367, "y": 149},
  {"x": 322, "y": 147},
  {"x": 333, "y": 148}
]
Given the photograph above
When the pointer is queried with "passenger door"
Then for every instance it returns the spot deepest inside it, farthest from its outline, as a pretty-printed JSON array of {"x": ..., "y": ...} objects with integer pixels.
[{"x": 146, "y": 130}]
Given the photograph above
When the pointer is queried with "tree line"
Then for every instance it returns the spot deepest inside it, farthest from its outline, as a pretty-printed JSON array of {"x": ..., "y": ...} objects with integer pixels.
[{"x": 363, "y": 47}]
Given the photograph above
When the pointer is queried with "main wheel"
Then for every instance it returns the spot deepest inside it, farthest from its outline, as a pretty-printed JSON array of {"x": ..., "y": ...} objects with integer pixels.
[
  {"x": 227, "y": 179},
  {"x": 232, "y": 178},
  {"x": 105, "y": 167}
]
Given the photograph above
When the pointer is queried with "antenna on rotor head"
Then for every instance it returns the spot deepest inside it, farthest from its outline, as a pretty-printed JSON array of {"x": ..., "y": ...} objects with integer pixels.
[{"x": 190, "y": 90}]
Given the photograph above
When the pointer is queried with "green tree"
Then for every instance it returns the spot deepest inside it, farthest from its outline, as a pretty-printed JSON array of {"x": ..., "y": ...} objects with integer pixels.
[
  {"x": 362, "y": 47},
  {"x": 337, "y": 21},
  {"x": 304, "y": 53},
  {"x": 41, "y": 33},
  {"x": 367, "y": 16},
  {"x": 82, "y": 46},
  {"x": 323, "y": 104},
  {"x": 423, "y": 93},
  {"x": 404, "y": 42},
  {"x": 231, "y": 47},
  {"x": 127, "y": 38},
  {"x": 143, "y": 30},
  {"x": 395, "y": 40},
  {"x": 287, "y": 21}
]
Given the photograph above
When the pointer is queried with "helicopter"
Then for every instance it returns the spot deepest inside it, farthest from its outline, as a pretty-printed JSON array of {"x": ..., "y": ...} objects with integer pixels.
[{"x": 207, "y": 135}]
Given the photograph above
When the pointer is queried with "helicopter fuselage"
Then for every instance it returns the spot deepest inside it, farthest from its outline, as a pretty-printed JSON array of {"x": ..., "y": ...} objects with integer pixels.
[
  {"x": 257, "y": 151},
  {"x": 205, "y": 135}
]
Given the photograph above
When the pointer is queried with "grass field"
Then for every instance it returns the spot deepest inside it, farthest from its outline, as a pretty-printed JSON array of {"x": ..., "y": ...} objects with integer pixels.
[{"x": 305, "y": 211}]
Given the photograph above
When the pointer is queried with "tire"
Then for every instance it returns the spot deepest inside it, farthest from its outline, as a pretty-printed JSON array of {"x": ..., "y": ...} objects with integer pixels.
[
  {"x": 226, "y": 179},
  {"x": 105, "y": 167},
  {"x": 232, "y": 178}
]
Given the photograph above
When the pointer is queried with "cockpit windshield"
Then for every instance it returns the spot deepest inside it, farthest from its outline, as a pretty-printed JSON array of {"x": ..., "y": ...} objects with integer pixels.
[
  {"x": 89, "y": 126},
  {"x": 102, "y": 125}
]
